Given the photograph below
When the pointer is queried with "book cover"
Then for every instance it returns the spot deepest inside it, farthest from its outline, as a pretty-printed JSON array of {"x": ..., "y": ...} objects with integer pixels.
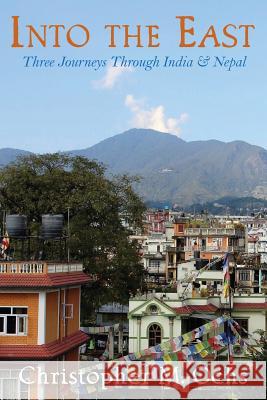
[{"x": 133, "y": 189}]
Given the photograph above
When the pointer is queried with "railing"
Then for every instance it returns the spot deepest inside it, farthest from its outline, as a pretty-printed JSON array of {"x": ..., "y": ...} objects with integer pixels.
[
  {"x": 210, "y": 231},
  {"x": 22, "y": 267},
  {"x": 156, "y": 270},
  {"x": 35, "y": 267},
  {"x": 236, "y": 248},
  {"x": 113, "y": 308},
  {"x": 153, "y": 255},
  {"x": 262, "y": 249},
  {"x": 54, "y": 268},
  {"x": 175, "y": 249},
  {"x": 205, "y": 248}
]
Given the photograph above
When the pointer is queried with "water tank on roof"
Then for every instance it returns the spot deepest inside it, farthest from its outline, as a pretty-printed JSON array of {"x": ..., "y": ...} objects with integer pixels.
[
  {"x": 16, "y": 225},
  {"x": 52, "y": 226},
  {"x": 196, "y": 254},
  {"x": 200, "y": 263}
]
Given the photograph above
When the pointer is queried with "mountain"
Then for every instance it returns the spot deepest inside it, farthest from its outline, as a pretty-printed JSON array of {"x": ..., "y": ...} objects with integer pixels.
[
  {"x": 8, "y": 155},
  {"x": 232, "y": 206},
  {"x": 184, "y": 172},
  {"x": 176, "y": 171}
]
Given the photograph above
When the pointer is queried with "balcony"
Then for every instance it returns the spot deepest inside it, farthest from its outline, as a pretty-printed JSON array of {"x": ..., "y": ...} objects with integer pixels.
[
  {"x": 215, "y": 248},
  {"x": 172, "y": 265},
  {"x": 210, "y": 231},
  {"x": 173, "y": 249},
  {"x": 156, "y": 270},
  {"x": 38, "y": 267},
  {"x": 262, "y": 249},
  {"x": 154, "y": 256}
]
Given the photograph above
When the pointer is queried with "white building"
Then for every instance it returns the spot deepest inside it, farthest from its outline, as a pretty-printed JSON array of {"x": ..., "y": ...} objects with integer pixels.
[
  {"x": 154, "y": 249},
  {"x": 262, "y": 248},
  {"x": 161, "y": 317},
  {"x": 257, "y": 242},
  {"x": 198, "y": 298}
]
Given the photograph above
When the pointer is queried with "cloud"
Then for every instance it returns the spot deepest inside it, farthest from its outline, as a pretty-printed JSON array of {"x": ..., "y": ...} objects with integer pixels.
[
  {"x": 111, "y": 77},
  {"x": 154, "y": 117}
]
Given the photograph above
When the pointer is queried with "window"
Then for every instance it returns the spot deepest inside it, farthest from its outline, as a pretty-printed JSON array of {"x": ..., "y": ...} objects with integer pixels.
[
  {"x": 244, "y": 275},
  {"x": 13, "y": 320},
  {"x": 243, "y": 323},
  {"x": 67, "y": 311},
  {"x": 154, "y": 263},
  {"x": 21, "y": 325},
  {"x": 180, "y": 227},
  {"x": 5, "y": 310},
  {"x": 20, "y": 310},
  {"x": 153, "y": 309},
  {"x": 154, "y": 335}
]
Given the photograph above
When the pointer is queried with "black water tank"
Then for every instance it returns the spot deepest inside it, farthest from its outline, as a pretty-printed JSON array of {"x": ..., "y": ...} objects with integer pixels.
[
  {"x": 52, "y": 226},
  {"x": 200, "y": 263},
  {"x": 196, "y": 254},
  {"x": 16, "y": 225}
]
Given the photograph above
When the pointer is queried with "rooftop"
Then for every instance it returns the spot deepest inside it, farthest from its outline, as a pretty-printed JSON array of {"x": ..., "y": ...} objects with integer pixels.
[
  {"x": 250, "y": 306},
  {"x": 31, "y": 280},
  {"x": 45, "y": 351},
  {"x": 189, "y": 309},
  {"x": 39, "y": 274},
  {"x": 38, "y": 267}
]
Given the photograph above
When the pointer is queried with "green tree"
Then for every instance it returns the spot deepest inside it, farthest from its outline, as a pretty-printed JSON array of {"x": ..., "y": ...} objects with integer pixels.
[{"x": 54, "y": 183}]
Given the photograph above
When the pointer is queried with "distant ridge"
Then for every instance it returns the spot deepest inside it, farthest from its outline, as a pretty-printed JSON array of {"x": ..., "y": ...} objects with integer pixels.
[
  {"x": 180, "y": 172},
  {"x": 8, "y": 155},
  {"x": 175, "y": 171}
]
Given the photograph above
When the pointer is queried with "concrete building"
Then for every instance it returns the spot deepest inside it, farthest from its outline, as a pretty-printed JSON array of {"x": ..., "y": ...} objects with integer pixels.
[
  {"x": 203, "y": 243},
  {"x": 40, "y": 310},
  {"x": 262, "y": 248},
  {"x": 157, "y": 317},
  {"x": 257, "y": 240},
  {"x": 153, "y": 250}
]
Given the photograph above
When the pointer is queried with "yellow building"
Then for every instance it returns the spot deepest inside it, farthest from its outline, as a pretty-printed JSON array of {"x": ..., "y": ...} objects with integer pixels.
[{"x": 40, "y": 310}]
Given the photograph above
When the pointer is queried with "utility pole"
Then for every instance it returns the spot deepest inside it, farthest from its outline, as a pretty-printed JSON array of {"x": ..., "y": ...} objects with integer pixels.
[
  {"x": 68, "y": 231},
  {"x": 3, "y": 222}
]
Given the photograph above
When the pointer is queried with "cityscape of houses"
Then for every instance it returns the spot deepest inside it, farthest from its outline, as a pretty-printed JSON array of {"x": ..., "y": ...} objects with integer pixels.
[
  {"x": 183, "y": 258},
  {"x": 182, "y": 292}
]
